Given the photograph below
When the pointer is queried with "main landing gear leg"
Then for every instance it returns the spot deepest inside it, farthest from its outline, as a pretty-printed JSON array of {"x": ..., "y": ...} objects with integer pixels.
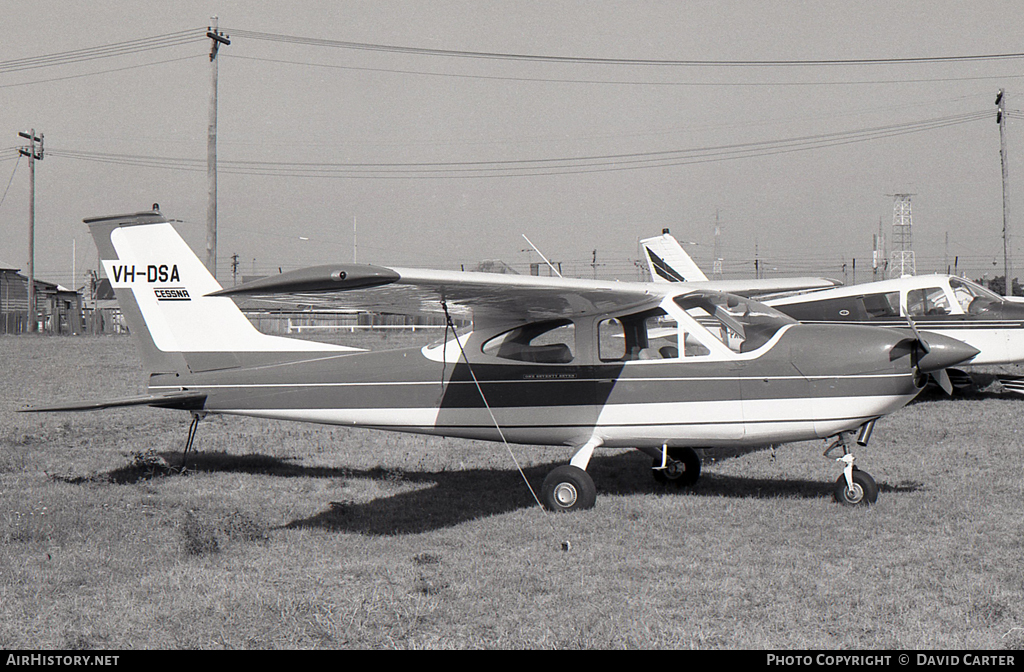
[
  {"x": 569, "y": 487},
  {"x": 676, "y": 466},
  {"x": 854, "y": 487}
]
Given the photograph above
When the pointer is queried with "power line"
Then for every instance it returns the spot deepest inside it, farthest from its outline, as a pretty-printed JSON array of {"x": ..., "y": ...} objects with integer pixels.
[
  {"x": 99, "y": 72},
  {"x": 16, "y": 164},
  {"x": 105, "y": 51},
  {"x": 452, "y": 53},
  {"x": 532, "y": 167},
  {"x": 626, "y": 82}
]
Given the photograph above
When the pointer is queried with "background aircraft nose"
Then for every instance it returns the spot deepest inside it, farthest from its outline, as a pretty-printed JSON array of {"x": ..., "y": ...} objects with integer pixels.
[{"x": 942, "y": 352}]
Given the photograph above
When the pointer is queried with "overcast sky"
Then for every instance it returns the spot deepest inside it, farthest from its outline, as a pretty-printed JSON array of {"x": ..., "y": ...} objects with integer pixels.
[{"x": 638, "y": 116}]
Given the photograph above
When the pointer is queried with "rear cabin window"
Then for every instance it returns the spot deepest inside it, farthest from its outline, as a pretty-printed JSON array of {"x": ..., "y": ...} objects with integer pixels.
[
  {"x": 881, "y": 306},
  {"x": 542, "y": 343},
  {"x": 930, "y": 301},
  {"x": 845, "y": 308}
]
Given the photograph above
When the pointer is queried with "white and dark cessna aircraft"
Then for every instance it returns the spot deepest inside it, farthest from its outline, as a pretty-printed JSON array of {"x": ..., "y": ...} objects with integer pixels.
[{"x": 663, "y": 368}]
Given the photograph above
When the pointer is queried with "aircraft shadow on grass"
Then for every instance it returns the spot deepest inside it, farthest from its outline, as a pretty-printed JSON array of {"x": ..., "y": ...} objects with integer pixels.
[{"x": 444, "y": 499}]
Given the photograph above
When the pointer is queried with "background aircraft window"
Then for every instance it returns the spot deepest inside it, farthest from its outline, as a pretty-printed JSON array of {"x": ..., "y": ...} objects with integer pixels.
[
  {"x": 930, "y": 301},
  {"x": 540, "y": 342},
  {"x": 972, "y": 298},
  {"x": 882, "y": 305},
  {"x": 845, "y": 308}
]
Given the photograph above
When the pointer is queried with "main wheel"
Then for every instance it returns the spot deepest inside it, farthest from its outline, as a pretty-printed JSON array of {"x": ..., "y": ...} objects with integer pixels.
[
  {"x": 683, "y": 467},
  {"x": 568, "y": 488},
  {"x": 864, "y": 490}
]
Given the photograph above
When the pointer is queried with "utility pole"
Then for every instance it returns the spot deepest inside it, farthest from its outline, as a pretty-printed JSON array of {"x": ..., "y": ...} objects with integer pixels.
[
  {"x": 33, "y": 155},
  {"x": 1007, "y": 263},
  {"x": 216, "y": 39},
  {"x": 879, "y": 259},
  {"x": 874, "y": 257},
  {"x": 716, "y": 268}
]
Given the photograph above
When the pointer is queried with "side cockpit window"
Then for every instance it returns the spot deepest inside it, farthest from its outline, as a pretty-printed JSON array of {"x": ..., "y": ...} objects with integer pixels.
[
  {"x": 541, "y": 342},
  {"x": 649, "y": 335},
  {"x": 742, "y": 325}
]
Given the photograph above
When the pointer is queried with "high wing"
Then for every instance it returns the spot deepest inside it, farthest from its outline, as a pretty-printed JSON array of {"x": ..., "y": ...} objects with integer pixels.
[
  {"x": 483, "y": 297},
  {"x": 489, "y": 297}
]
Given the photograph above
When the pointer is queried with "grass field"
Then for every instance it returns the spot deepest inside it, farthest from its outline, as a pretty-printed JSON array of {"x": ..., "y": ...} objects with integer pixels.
[{"x": 285, "y": 535}]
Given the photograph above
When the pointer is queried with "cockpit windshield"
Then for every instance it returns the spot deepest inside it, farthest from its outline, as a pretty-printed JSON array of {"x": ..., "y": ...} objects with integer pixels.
[{"x": 741, "y": 324}]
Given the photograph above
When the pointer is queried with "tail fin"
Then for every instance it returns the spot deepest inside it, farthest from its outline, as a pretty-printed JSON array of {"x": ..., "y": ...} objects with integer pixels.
[
  {"x": 161, "y": 286},
  {"x": 668, "y": 262}
]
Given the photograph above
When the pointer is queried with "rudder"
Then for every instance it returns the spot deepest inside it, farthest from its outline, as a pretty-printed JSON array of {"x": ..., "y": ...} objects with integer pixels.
[{"x": 161, "y": 286}]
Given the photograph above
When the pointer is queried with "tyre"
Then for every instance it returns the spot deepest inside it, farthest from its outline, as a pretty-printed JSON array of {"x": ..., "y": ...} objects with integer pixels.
[
  {"x": 864, "y": 490},
  {"x": 568, "y": 488},
  {"x": 683, "y": 469}
]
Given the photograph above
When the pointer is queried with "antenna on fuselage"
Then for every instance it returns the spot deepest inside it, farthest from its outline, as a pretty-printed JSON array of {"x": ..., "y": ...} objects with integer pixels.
[{"x": 553, "y": 269}]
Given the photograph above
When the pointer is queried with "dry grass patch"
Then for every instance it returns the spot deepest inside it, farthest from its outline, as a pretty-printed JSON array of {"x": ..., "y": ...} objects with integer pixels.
[{"x": 291, "y": 536}]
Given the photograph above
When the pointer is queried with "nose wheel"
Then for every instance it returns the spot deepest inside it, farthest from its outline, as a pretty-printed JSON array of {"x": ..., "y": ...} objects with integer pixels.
[
  {"x": 854, "y": 487},
  {"x": 861, "y": 489}
]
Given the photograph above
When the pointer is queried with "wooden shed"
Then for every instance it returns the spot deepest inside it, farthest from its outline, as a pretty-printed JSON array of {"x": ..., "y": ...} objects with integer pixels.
[
  {"x": 58, "y": 309},
  {"x": 13, "y": 299}
]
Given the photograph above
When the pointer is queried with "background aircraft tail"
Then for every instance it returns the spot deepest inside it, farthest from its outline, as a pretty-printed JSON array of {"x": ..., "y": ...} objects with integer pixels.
[
  {"x": 668, "y": 262},
  {"x": 161, "y": 287}
]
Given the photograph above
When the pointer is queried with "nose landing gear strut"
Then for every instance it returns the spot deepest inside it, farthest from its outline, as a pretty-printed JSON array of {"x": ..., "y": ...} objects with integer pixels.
[{"x": 854, "y": 487}]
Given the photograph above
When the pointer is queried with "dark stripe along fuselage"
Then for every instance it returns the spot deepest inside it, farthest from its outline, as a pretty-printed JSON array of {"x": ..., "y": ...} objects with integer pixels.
[{"x": 559, "y": 403}]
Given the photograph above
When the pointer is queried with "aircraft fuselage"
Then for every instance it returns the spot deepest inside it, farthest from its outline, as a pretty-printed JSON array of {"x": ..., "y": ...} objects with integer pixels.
[{"x": 797, "y": 389}]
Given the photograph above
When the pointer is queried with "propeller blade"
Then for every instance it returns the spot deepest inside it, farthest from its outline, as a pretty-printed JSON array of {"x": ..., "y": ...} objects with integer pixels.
[
  {"x": 942, "y": 378},
  {"x": 913, "y": 328}
]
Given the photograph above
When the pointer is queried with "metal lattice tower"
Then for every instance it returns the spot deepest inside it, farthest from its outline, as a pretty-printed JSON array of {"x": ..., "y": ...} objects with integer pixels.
[{"x": 903, "y": 262}]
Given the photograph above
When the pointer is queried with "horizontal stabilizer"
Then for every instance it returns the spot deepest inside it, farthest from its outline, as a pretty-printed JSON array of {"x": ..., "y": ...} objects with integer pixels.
[{"x": 184, "y": 400}]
